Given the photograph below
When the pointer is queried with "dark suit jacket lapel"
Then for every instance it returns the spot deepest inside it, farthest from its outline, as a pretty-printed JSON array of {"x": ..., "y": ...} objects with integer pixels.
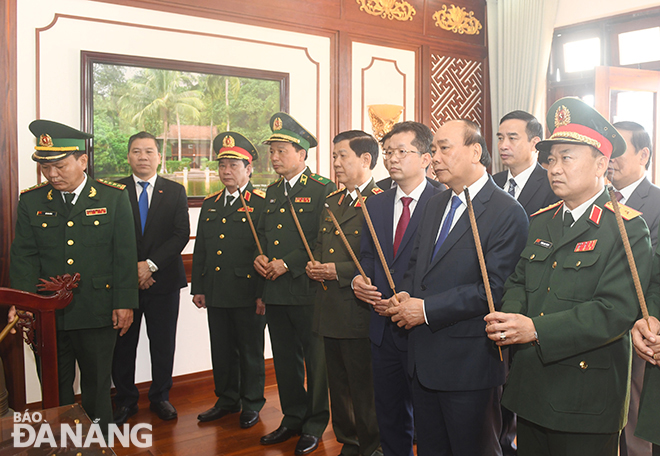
[
  {"x": 157, "y": 196},
  {"x": 532, "y": 186},
  {"x": 638, "y": 197},
  {"x": 388, "y": 233}
]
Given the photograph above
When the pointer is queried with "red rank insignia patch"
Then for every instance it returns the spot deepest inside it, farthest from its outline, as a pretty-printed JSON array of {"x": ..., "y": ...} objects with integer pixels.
[
  {"x": 301, "y": 199},
  {"x": 99, "y": 211},
  {"x": 242, "y": 209},
  {"x": 594, "y": 216},
  {"x": 585, "y": 246},
  {"x": 247, "y": 196}
]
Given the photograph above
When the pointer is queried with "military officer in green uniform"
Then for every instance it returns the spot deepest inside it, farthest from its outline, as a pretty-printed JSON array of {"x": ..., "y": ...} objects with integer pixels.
[
  {"x": 72, "y": 223},
  {"x": 647, "y": 344},
  {"x": 570, "y": 303},
  {"x": 288, "y": 292},
  {"x": 225, "y": 283},
  {"x": 340, "y": 317}
]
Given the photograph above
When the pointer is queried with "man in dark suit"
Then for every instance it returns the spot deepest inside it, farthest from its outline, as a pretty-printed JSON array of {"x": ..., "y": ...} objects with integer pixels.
[
  {"x": 68, "y": 224},
  {"x": 457, "y": 372},
  {"x": 341, "y": 318},
  {"x": 396, "y": 215},
  {"x": 526, "y": 180},
  {"x": 162, "y": 230},
  {"x": 627, "y": 173},
  {"x": 224, "y": 282}
]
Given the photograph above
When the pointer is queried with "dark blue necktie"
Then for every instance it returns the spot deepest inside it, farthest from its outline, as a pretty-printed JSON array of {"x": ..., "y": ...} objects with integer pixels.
[
  {"x": 444, "y": 231},
  {"x": 143, "y": 204},
  {"x": 512, "y": 187}
]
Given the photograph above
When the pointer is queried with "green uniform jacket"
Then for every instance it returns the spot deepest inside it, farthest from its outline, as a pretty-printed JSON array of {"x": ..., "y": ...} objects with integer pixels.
[
  {"x": 280, "y": 239},
  {"x": 223, "y": 268},
  {"x": 579, "y": 292},
  {"x": 338, "y": 313},
  {"x": 648, "y": 427},
  {"x": 97, "y": 240}
]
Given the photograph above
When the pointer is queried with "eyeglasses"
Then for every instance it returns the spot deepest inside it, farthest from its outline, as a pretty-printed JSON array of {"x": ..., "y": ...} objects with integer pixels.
[{"x": 400, "y": 154}]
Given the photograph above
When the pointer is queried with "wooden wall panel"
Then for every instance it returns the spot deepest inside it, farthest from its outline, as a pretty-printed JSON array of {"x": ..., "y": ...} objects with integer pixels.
[{"x": 477, "y": 7}]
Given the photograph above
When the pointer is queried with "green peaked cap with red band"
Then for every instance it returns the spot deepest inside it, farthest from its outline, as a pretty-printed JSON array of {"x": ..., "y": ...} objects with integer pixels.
[
  {"x": 56, "y": 141},
  {"x": 231, "y": 144},
  {"x": 572, "y": 121},
  {"x": 287, "y": 129}
]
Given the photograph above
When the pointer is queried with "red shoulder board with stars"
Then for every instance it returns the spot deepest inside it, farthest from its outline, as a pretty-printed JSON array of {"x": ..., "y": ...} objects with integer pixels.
[
  {"x": 627, "y": 213},
  {"x": 213, "y": 194},
  {"x": 595, "y": 215},
  {"x": 247, "y": 196},
  {"x": 339, "y": 190},
  {"x": 547, "y": 208},
  {"x": 586, "y": 246},
  {"x": 376, "y": 190},
  {"x": 242, "y": 209}
]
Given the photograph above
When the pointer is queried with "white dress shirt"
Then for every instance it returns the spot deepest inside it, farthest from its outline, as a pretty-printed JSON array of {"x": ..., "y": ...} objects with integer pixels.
[
  {"x": 521, "y": 180},
  {"x": 398, "y": 205},
  {"x": 582, "y": 208},
  {"x": 150, "y": 187},
  {"x": 76, "y": 192},
  {"x": 626, "y": 192}
]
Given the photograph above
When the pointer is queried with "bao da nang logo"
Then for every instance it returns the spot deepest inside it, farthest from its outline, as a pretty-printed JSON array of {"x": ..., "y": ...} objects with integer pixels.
[{"x": 31, "y": 430}]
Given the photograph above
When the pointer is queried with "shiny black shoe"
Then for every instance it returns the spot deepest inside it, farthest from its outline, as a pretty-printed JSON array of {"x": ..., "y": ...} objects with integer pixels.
[
  {"x": 279, "y": 435},
  {"x": 306, "y": 444},
  {"x": 248, "y": 418},
  {"x": 123, "y": 413},
  {"x": 214, "y": 413},
  {"x": 164, "y": 410}
]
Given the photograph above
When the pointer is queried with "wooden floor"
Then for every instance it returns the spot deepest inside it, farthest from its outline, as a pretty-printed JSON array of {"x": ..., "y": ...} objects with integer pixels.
[{"x": 186, "y": 436}]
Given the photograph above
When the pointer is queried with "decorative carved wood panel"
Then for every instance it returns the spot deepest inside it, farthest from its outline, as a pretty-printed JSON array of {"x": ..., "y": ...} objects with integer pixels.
[{"x": 456, "y": 90}]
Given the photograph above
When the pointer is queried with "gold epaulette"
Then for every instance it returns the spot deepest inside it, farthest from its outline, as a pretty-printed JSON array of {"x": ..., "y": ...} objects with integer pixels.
[
  {"x": 627, "y": 213},
  {"x": 111, "y": 184},
  {"x": 259, "y": 193},
  {"x": 376, "y": 190},
  {"x": 547, "y": 208},
  {"x": 339, "y": 190},
  {"x": 276, "y": 182},
  {"x": 320, "y": 179},
  {"x": 212, "y": 195},
  {"x": 34, "y": 187}
]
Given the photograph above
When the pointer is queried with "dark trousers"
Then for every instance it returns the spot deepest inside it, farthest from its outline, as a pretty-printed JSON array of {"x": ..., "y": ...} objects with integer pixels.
[
  {"x": 394, "y": 407},
  {"x": 535, "y": 440},
  {"x": 508, "y": 433},
  {"x": 352, "y": 395},
  {"x": 629, "y": 445},
  {"x": 237, "y": 353},
  {"x": 457, "y": 423},
  {"x": 92, "y": 349},
  {"x": 161, "y": 313},
  {"x": 297, "y": 350}
]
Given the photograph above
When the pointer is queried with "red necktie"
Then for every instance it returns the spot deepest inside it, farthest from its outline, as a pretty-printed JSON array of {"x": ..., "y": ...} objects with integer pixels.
[
  {"x": 619, "y": 196},
  {"x": 403, "y": 223}
]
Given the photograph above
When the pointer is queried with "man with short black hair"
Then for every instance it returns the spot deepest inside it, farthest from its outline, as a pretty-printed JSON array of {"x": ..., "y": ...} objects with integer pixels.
[
  {"x": 162, "y": 230},
  {"x": 526, "y": 180},
  {"x": 456, "y": 372}
]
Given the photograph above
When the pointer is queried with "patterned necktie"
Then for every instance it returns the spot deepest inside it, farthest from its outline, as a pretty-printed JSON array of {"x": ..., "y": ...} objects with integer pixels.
[
  {"x": 68, "y": 201},
  {"x": 446, "y": 225},
  {"x": 143, "y": 204},
  {"x": 229, "y": 200},
  {"x": 403, "y": 222},
  {"x": 512, "y": 187}
]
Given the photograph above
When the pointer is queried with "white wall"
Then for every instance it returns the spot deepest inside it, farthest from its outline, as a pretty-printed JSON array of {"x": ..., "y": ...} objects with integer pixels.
[{"x": 576, "y": 11}]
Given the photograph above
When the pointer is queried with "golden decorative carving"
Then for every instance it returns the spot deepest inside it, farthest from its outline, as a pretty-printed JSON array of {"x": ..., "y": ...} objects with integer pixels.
[
  {"x": 457, "y": 20},
  {"x": 388, "y": 9},
  {"x": 383, "y": 117}
]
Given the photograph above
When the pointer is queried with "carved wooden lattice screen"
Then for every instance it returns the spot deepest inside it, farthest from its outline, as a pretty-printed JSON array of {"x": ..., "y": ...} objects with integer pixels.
[{"x": 456, "y": 90}]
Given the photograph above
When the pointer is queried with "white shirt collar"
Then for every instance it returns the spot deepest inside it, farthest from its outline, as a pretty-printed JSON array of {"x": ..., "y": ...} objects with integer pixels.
[
  {"x": 521, "y": 179},
  {"x": 353, "y": 194},
  {"x": 77, "y": 191},
  {"x": 295, "y": 178},
  {"x": 151, "y": 180},
  {"x": 628, "y": 191},
  {"x": 474, "y": 188},
  {"x": 415, "y": 194},
  {"x": 582, "y": 208},
  {"x": 235, "y": 194}
]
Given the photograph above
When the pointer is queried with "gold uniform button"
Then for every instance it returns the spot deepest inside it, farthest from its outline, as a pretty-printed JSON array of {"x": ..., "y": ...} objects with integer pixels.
[
  {"x": 276, "y": 242},
  {"x": 541, "y": 314},
  {"x": 583, "y": 365},
  {"x": 69, "y": 223},
  {"x": 336, "y": 232},
  {"x": 243, "y": 220},
  {"x": 554, "y": 265},
  {"x": 219, "y": 252},
  {"x": 96, "y": 222},
  {"x": 274, "y": 258},
  {"x": 300, "y": 210},
  {"x": 107, "y": 285},
  {"x": 324, "y": 229},
  {"x": 577, "y": 265},
  {"x": 224, "y": 220},
  {"x": 532, "y": 256},
  {"x": 357, "y": 232},
  {"x": 279, "y": 226},
  {"x": 207, "y": 219},
  {"x": 548, "y": 289},
  {"x": 249, "y": 276},
  {"x": 217, "y": 268},
  {"x": 282, "y": 210},
  {"x": 44, "y": 225},
  {"x": 70, "y": 242},
  {"x": 69, "y": 261},
  {"x": 222, "y": 236},
  {"x": 331, "y": 250}
]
